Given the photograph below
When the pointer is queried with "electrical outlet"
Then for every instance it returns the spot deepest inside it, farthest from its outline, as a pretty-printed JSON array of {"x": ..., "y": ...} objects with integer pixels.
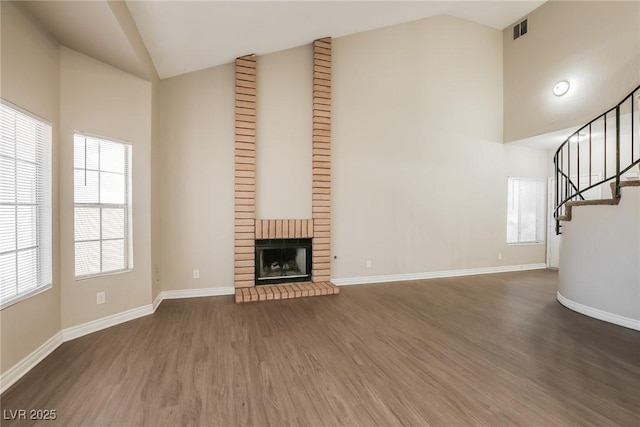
[
  {"x": 368, "y": 263},
  {"x": 100, "y": 298},
  {"x": 196, "y": 274},
  {"x": 499, "y": 255}
]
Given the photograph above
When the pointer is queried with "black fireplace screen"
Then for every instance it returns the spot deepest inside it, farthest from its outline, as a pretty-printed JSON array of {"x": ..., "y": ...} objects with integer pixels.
[{"x": 283, "y": 260}]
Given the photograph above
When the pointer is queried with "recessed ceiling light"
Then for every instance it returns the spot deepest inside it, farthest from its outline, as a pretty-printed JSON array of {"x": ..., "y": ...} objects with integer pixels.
[{"x": 561, "y": 88}]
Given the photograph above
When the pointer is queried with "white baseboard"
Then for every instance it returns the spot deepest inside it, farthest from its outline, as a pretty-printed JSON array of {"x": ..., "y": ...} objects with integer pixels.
[
  {"x": 195, "y": 293},
  {"x": 157, "y": 301},
  {"x": 106, "y": 322},
  {"x": 115, "y": 319},
  {"x": 616, "y": 319},
  {"x": 434, "y": 274},
  {"x": 18, "y": 370}
]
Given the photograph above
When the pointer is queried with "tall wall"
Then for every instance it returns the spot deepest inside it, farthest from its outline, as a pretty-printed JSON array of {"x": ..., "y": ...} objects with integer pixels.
[
  {"x": 102, "y": 100},
  {"x": 594, "y": 45},
  {"x": 30, "y": 75},
  {"x": 420, "y": 171},
  {"x": 197, "y": 159}
]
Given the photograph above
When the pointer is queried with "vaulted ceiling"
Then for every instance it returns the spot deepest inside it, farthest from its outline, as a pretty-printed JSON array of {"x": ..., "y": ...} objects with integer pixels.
[
  {"x": 89, "y": 27},
  {"x": 185, "y": 36}
]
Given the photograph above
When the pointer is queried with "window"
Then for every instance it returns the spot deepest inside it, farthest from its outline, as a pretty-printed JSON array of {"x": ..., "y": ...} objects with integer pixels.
[
  {"x": 525, "y": 212},
  {"x": 25, "y": 205},
  {"x": 102, "y": 206}
]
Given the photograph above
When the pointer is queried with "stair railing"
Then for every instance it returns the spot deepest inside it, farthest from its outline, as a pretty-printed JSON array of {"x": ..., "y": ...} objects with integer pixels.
[{"x": 606, "y": 147}]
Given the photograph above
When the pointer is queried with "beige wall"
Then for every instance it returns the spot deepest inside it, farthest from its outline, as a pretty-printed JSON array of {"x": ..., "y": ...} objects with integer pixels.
[
  {"x": 420, "y": 171},
  {"x": 196, "y": 159},
  {"x": 283, "y": 134},
  {"x": 30, "y": 73},
  {"x": 105, "y": 101},
  {"x": 417, "y": 121},
  {"x": 594, "y": 45}
]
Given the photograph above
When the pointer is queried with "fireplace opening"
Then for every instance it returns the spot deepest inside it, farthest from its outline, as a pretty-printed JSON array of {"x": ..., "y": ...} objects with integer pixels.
[{"x": 283, "y": 260}]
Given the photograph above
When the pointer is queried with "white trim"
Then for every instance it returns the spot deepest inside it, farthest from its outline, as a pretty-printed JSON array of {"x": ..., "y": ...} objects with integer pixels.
[
  {"x": 106, "y": 273},
  {"x": 104, "y": 138},
  {"x": 435, "y": 274},
  {"x": 105, "y": 322},
  {"x": 616, "y": 319},
  {"x": 531, "y": 243},
  {"x": 157, "y": 301},
  {"x": 194, "y": 293},
  {"x": 18, "y": 370}
]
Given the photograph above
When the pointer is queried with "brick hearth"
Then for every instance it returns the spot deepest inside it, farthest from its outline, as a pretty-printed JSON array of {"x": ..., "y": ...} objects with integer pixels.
[{"x": 286, "y": 291}]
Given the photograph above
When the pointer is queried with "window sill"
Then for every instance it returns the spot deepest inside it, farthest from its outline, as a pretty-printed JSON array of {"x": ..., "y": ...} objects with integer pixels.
[
  {"x": 23, "y": 297},
  {"x": 109, "y": 273},
  {"x": 525, "y": 243}
]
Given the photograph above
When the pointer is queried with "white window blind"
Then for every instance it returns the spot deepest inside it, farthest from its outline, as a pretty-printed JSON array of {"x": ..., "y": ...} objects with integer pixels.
[
  {"x": 102, "y": 206},
  {"x": 525, "y": 212},
  {"x": 25, "y": 205}
]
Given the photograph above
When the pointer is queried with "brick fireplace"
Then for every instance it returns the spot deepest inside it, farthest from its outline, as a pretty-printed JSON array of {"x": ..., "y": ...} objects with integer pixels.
[{"x": 248, "y": 228}]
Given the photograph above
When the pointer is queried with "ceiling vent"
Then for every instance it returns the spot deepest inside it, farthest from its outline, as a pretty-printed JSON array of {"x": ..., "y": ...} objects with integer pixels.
[{"x": 520, "y": 29}]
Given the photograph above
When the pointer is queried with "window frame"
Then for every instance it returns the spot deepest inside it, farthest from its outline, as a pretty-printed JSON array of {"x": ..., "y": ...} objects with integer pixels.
[
  {"x": 44, "y": 213},
  {"x": 127, "y": 206},
  {"x": 539, "y": 209}
]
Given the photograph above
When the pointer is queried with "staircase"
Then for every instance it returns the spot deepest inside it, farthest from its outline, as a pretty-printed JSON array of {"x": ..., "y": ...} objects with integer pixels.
[
  {"x": 599, "y": 272},
  {"x": 604, "y": 151}
]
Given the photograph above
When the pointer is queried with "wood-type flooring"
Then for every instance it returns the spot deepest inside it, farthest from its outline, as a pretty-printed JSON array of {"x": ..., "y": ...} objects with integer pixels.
[{"x": 489, "y": 350}]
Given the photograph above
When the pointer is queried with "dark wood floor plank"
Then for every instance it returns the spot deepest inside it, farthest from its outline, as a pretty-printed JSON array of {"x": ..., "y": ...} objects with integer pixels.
[{"x": 485, "y": 350}]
